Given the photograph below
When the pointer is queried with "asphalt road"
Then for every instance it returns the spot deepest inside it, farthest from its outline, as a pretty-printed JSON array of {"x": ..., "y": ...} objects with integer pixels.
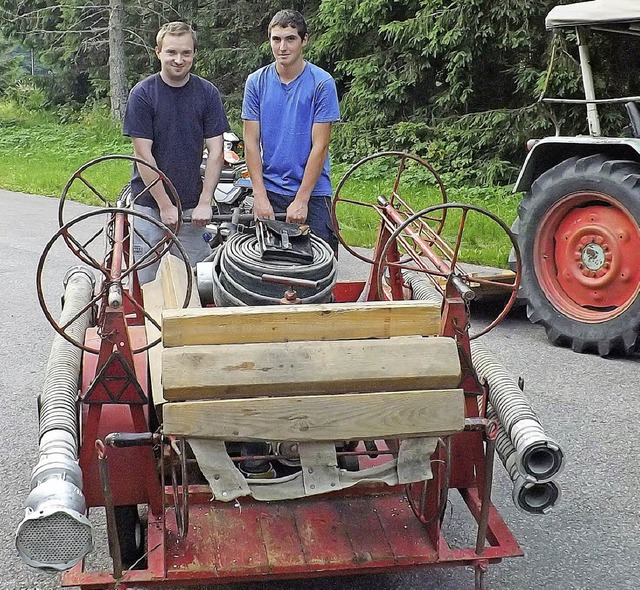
[{"x": 590, "y": 541}]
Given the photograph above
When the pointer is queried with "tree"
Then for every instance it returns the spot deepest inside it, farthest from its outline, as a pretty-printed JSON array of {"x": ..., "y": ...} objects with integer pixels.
[
  {"x": 424, "y": 66},
  {"x": 10, "y": 65},
  {"x": 453, "y": 80},
  {"x": 118, "y": 88},
  {"x": 457, "y": 80},
  {"x": 98, "y": 43}
]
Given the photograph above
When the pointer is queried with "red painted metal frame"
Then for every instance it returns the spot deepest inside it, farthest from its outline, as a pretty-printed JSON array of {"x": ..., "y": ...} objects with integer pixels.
[{"x": 362, "y": 530}]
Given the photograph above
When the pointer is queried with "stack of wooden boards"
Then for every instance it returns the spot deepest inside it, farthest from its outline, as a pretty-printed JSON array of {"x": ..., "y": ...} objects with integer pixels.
[{"x": 342, "y": 371}]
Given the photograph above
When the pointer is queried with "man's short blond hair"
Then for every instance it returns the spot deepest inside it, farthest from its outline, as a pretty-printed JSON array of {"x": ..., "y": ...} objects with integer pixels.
[{"x": 176, "y": 28}]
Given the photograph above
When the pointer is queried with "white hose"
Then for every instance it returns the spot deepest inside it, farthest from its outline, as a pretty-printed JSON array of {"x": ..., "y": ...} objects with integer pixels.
[{"x": 55, "y": 533}]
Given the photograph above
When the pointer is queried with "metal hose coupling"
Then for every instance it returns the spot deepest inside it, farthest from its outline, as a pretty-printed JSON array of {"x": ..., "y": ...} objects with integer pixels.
[
  {"x": 55, "y": 534},
  {"x": 529, "y": 496},
  {"x": 538, "y": 457}
]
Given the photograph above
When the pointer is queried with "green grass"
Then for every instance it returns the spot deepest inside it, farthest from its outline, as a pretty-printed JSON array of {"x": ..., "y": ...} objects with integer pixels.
[
  {"x": 39, "y": 155},
  {"x": 483, "y": 241}
]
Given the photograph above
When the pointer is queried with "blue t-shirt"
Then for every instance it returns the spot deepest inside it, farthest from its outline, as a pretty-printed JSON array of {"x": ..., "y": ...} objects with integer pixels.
[
  {"x": 286, "y": 113},
  {"x": 177, "y": 120}
]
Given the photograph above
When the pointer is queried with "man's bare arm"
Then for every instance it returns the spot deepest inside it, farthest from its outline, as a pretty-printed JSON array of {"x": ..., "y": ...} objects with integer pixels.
[
  {"x": 168, "y": 211},
  {"x": 201, "y": 214},
  {"x": 251, "y": 137},
  {"x": 320, "y": 135}
]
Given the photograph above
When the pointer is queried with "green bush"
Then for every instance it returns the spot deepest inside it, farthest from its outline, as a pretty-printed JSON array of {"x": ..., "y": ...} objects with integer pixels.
[{"x": 27, "y": 95}]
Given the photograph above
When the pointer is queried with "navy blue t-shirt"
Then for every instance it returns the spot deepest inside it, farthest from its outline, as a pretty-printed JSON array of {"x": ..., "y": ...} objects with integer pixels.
[{"x": 177, "y": 120}]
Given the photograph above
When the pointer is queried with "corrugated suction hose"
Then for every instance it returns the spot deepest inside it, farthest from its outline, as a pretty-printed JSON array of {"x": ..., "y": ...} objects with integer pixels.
[
  {"x": 55, "y": 533},
  {"x": 538, "y": 457}
]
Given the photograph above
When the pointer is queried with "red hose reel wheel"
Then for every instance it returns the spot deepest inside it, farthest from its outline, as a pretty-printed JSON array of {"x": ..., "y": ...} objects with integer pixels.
[
  {"x": 91, "y": 240},
  {"x": 85, "y": 180},
  {"x": 352, "y": 210},
  {"x": 416, "y": 246}
]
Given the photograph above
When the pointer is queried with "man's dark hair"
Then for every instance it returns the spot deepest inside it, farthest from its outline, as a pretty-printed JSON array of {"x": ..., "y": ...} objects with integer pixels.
[{"x": 289, "y": 18}]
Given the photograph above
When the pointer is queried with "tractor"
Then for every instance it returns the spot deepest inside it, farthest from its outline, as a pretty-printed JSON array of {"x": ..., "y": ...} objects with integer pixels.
[{"x": 578, "y": 222}]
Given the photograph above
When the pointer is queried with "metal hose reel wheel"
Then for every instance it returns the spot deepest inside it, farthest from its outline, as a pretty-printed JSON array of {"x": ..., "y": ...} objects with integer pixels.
[
  {"x": 410, "y": 169},
  {"x": 419, "y": 247},
  {"x": 80, "y": 180},
  {"x": 235, "y": 276},
  {"x": 82, "y": 237}
]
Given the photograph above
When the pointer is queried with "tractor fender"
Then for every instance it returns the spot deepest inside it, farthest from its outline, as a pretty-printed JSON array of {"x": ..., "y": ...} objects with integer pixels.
[{"x": 550, "y": 151}]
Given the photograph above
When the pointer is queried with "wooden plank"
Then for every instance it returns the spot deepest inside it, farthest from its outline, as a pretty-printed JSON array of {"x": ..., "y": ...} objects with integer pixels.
[
  {"x": 326, "y": 321},
  {"x": 280, "y": 536},
  {"x": 239, "y": 541},
  {"x": 152, "y": 294},
  {"x": 324, "y": 540},
  {"x": 362, "y": 525},
  {"x": 247, "y": 370},
  {"x": 166, "y": 291},
  {"x": 406, "y": 534},
  {"x": 173, "y": 276},
  {"x": 320, "y": 417}
]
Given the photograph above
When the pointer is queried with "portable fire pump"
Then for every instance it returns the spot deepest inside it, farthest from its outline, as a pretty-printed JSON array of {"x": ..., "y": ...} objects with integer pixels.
[{"x": 262, "y": 419}]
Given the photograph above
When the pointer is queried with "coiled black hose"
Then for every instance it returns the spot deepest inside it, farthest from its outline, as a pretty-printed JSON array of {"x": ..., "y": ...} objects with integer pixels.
[{"x": 238, "y": 268}]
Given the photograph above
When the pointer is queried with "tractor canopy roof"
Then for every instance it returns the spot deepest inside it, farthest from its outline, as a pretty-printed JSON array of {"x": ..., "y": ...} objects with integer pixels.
[{"x": 618, "y": 15}]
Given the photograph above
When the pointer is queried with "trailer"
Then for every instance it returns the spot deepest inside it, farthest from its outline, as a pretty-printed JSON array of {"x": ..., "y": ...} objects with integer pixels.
[{"x": 260, "y": 419}]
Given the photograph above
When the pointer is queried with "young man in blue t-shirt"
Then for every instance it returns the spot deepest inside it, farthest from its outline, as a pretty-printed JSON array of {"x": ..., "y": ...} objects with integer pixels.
[
  {"x": 170, "y": 116},
  {"x": 288, "y": 109}
]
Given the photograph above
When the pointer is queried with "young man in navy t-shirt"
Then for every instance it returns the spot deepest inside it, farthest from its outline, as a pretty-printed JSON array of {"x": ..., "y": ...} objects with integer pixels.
[
  {"x": 170, "y": 116},
  {"x": 288, "y": 109}
]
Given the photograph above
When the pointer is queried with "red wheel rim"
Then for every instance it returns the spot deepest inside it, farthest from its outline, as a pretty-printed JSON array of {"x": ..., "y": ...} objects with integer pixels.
[{"x": 587, "y": 257}]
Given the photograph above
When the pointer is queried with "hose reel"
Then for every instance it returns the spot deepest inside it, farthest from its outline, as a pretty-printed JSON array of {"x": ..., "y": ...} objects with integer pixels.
[{"x": 238, "y": 276}]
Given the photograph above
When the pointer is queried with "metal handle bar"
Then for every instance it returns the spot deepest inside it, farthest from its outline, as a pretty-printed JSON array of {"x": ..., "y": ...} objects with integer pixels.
[
  {"x": 241, "y": 218},
  {"x": 120, "y": 440},
  {"x": 290, "y": 281},
  {"x": 466, "y": 292}
]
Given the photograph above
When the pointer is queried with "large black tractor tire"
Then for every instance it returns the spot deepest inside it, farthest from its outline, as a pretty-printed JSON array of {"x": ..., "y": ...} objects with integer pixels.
[
  {"x": 131, "y": 535},
  {"x": 578, "y": 234}
]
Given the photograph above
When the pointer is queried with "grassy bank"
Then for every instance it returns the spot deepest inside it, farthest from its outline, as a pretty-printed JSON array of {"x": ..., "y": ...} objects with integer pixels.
[{"x": 39, "y": 154}]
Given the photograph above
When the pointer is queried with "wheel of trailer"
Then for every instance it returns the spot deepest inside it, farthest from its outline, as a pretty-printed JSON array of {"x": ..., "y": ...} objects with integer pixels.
[
  {"x": 91, "y": 238},
  {"x": 92, "y": 183},
  {"x": 396, "y": 179},
  {"x": 421, "y": 256},
  {"x": 428, "y": 499},
  {"x": 580, "y": 242},
  {"x": 131, "y": 536}
]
